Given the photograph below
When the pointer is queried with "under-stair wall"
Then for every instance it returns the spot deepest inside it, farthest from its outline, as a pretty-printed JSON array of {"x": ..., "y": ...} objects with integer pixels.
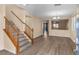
[
  {"x": 36, "y": 24},
  {"x": 8, "y": 44}
]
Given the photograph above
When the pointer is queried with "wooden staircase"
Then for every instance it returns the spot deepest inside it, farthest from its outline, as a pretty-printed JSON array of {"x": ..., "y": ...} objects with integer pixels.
[
  {"x": 28, "y": 30},
  {"x": 17, "y": 37},
  {"x": 23, "y": 41}
]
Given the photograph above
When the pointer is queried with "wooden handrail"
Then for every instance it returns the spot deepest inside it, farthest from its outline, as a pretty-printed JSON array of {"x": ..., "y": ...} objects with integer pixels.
[
  {"x": 11, "y": 25},
  {"x": 20, "y": 19},
  {"x": 28, "y": 27}
]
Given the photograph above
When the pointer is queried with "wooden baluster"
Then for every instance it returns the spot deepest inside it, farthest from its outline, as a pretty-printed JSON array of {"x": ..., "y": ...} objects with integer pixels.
[{"x": 17, "y": 51}]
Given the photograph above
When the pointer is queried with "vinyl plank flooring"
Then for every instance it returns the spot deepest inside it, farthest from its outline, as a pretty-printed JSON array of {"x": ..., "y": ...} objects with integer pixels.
[
  {"x": 45, "y": 48},
  {"x": 51, "y": 46}
]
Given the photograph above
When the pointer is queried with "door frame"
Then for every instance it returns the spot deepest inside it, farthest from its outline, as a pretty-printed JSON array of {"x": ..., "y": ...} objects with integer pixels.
[{"x": 44, "y": 23}]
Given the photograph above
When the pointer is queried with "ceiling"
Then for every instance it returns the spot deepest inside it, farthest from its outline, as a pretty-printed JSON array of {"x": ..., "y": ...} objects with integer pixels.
[{"x": 52, "y": 9}]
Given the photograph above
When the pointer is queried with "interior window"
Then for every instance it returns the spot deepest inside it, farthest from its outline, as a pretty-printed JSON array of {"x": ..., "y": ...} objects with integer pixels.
[{"x": 60, "y": 24}]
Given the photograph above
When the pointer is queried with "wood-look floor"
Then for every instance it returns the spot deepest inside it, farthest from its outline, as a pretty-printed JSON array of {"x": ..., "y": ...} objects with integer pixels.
[{"x": 51, "y": 46}]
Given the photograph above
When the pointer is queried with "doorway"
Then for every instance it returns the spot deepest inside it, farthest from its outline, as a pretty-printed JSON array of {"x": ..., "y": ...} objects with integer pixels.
[
  {"x": 45, "y": 29},
  {"x": 77, "y": 36}
]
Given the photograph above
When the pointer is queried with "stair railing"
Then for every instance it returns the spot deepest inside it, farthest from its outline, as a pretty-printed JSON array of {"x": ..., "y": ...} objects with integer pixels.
[
  {"x": 12, "y": 31},
  {"x": 28, "y": 30}
]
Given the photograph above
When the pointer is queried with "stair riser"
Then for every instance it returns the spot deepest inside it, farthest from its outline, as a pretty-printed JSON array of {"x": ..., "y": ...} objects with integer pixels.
[{"x": 22, "y": 39}]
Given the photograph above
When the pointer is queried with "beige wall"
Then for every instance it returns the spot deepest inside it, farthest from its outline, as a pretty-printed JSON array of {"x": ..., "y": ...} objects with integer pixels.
[
  {"x": 2, "y": 13},
  {"x": 19, "y": 12},
  {"x": 36, "y": 24},
  {"x": 72, "y": 28},
  {"x": 5, "y": 42}
]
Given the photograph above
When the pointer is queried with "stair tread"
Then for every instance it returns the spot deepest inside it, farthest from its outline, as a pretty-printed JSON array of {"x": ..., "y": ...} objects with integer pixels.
[
  {"x": 22, "y": 39},
  {"x": 23, "y": 43},
  {"x": 25, "y": 47}
]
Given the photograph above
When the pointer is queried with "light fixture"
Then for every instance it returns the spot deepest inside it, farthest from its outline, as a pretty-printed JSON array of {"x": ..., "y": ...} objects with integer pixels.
[{"x": 56, "y": 17}]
